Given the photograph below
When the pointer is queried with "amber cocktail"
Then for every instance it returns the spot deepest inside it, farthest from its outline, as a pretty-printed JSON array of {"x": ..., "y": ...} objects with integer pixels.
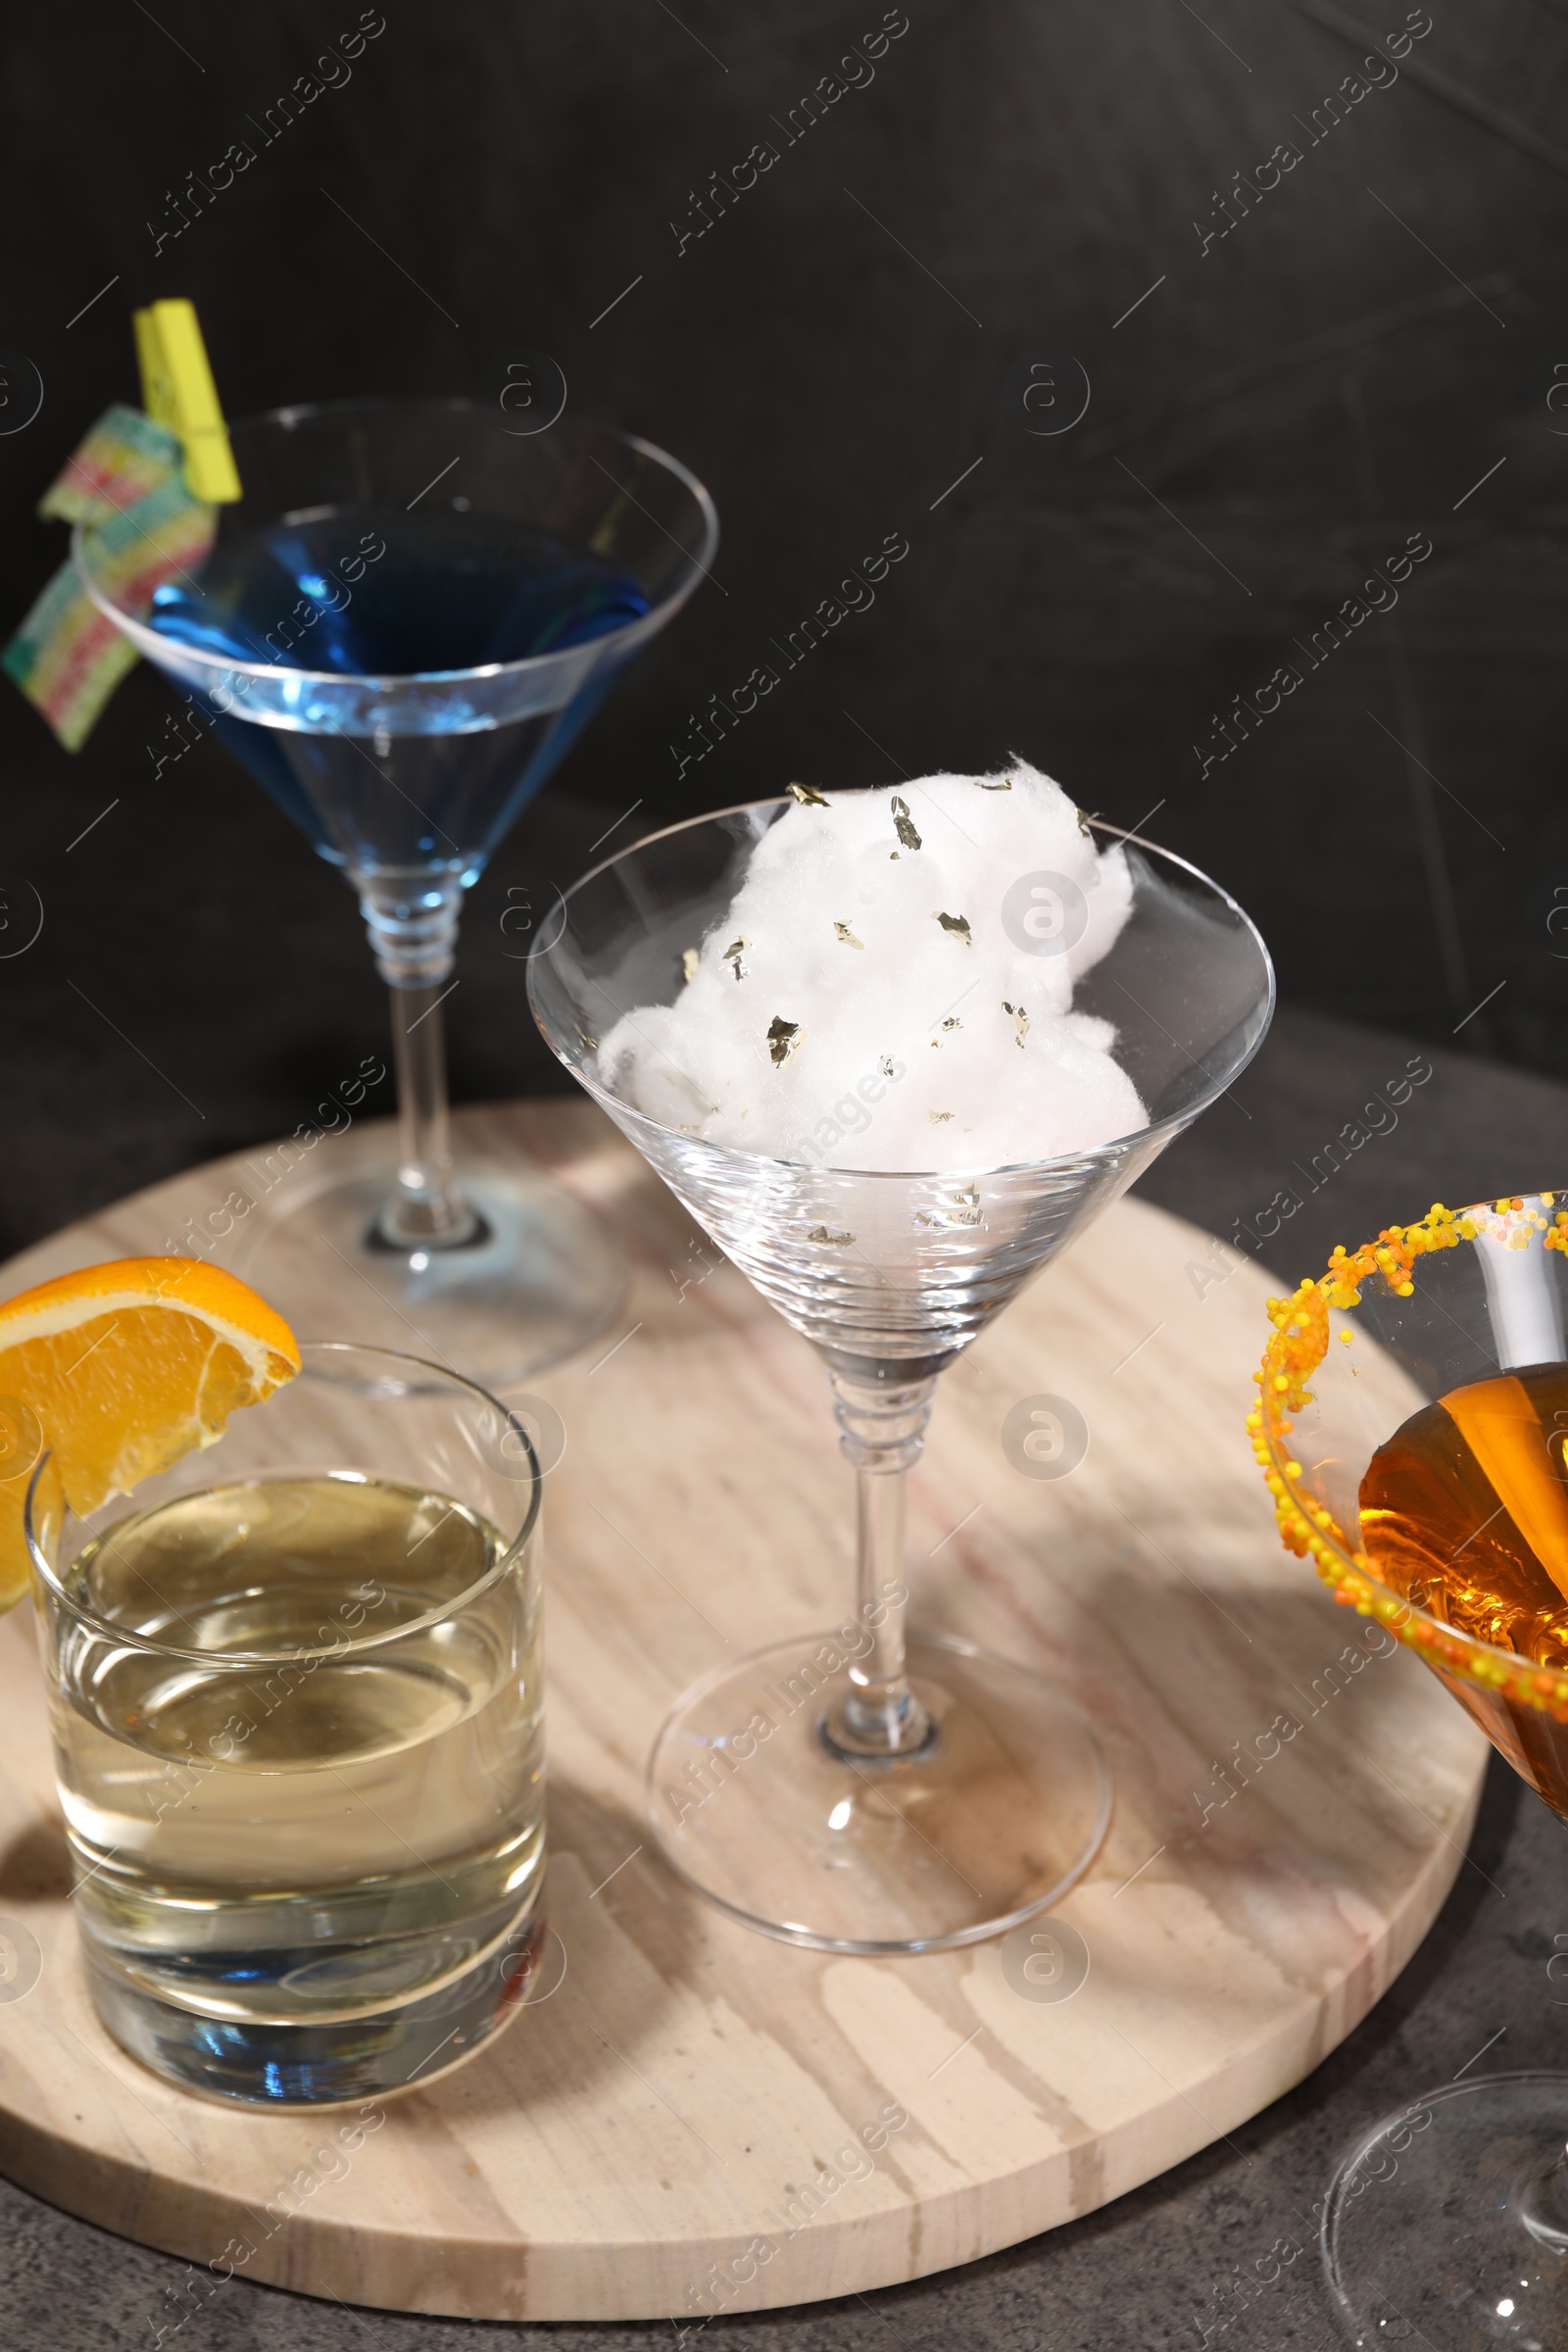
[{"x": 1411, "y": 1425}]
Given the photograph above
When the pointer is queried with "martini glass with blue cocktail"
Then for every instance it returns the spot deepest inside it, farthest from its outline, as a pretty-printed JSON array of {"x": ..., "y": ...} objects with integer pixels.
[{"x": 401, "y": 628}]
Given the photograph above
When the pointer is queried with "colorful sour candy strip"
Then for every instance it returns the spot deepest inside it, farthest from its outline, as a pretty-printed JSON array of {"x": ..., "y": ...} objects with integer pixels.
[{"x": 67, "y": 656}]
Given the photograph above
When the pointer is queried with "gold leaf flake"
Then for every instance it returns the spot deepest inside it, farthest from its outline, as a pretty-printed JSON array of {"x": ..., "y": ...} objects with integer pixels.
[
  {"x": 902, "y": 825},
  {"x": 952, "y": 1022},
  {"x": 1020, "y": 1020},
  {"x": 1084, "y": 826},
  {"x": 994, "y": 783},
  {"x": 833, "y": 1240},
  {"x": 936, "y": 1118},
  {"x": 957, "y": 924},
  {"x": 732, "y": 956},
  {"x": 843, "y": 931},
  {"x": 965, "y": 1209},
  {"x": 885, "y": 1066},
  {"x": 807, "y": 795},
  {"x": 893, "y": 856},
  {"x": 689, "y": 963},
  {"x": 783, "y": 1038}
]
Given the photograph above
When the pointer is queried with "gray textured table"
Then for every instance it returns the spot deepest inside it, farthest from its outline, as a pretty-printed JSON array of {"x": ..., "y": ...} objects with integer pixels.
[{"x": 1309, "y": 1151}]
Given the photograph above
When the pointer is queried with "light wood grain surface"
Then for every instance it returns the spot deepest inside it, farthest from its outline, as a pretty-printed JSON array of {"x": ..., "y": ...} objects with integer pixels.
[{"x": 690, "y": 2095}]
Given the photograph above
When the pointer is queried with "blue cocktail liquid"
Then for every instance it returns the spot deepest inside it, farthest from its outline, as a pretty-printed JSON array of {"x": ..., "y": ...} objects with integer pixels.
[{"x": 374, "y": 592}]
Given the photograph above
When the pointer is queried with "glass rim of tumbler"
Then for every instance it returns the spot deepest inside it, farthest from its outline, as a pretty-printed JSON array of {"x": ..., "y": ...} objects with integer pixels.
[
  {"x": 540, "y": 954},
  {"x": 504, "y": 1560},
  {"x": 150, "y": 645}
]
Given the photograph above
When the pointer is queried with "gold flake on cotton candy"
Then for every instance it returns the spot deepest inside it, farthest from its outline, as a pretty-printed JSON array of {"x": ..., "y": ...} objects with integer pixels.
[
  {"x": 937, "y": 1117},
  {"x": 732, "y": 956},
  {"x": 831, "y": 1241},
  {"x": 901, "y": 824},
  {"x": 843, "y": 931},
  {"x": 994, "y": 783},
  {"x": 690, "y": 963},
  {"x": 957, "y": 924},
  {"x": 1020, "y": 1020},
  {"x": 807, "y": 795},
  {"x": 783, "y": 1040}
]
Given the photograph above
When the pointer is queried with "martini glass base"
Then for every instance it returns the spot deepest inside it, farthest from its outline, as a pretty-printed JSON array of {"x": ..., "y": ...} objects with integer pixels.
[
  {"x": 991, "y": 1822},
  {"x": 1447, "y": 2225},
  {"x": 541, "y": 1277}
]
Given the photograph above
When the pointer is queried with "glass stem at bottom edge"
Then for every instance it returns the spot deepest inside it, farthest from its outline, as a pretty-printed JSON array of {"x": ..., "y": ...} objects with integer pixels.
[{"x": 881, "y": 1432}]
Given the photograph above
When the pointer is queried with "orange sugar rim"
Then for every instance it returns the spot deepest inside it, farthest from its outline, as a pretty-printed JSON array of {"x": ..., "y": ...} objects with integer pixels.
[{"x": 1307, "y": 1528}]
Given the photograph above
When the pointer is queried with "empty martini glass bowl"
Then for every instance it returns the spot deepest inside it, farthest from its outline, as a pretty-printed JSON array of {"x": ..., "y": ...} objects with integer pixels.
[
  {"x": 856, "y": 1789},
  {"x": 398, "y": 629},
  {"x": 1411, "y": 1420}
]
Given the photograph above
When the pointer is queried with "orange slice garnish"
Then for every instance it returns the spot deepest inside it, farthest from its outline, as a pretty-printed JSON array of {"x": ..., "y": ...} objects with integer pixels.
[{"x": 117, "y": 1371}]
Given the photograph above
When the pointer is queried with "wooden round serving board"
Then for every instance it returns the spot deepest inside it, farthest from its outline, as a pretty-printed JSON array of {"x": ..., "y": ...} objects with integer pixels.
[{"x": 691, "y": 2095}]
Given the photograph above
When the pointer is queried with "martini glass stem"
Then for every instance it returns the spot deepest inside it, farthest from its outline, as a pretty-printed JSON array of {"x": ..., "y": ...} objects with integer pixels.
[
  {"x": 413, "y": 922},
  {"x": 427, "y": 1207},
  {"x": 881, "y": 1432}
]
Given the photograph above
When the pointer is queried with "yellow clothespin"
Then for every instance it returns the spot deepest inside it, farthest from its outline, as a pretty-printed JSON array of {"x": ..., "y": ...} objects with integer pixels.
[{"x": 177, "y": 392}]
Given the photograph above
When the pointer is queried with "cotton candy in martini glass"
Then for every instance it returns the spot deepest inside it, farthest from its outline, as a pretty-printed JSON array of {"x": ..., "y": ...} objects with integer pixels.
[
  {"x": 892, "y": 1049},
  {"x": 868, "y": 940}
]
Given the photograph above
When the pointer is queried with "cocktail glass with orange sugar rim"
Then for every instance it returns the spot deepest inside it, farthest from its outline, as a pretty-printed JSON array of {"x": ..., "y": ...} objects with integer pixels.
[
  {"x": 295, "y": 1692},
  {"x": 1411, "y": 1423}
]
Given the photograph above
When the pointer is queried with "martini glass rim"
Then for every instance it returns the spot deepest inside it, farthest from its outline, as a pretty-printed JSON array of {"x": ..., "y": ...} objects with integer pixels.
[
  {"x": 155, "y": 646},
  {"x": 1174, "y": 1120},
  {"x": 1354, "y": 1577}
]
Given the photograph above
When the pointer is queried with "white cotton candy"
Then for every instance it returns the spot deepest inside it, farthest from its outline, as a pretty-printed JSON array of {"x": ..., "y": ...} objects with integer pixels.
[{"x": 833, "y": 1017}]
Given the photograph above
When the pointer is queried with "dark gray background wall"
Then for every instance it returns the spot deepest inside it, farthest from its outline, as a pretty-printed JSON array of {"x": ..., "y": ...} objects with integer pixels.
[{"x": 842, "y": 356}]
